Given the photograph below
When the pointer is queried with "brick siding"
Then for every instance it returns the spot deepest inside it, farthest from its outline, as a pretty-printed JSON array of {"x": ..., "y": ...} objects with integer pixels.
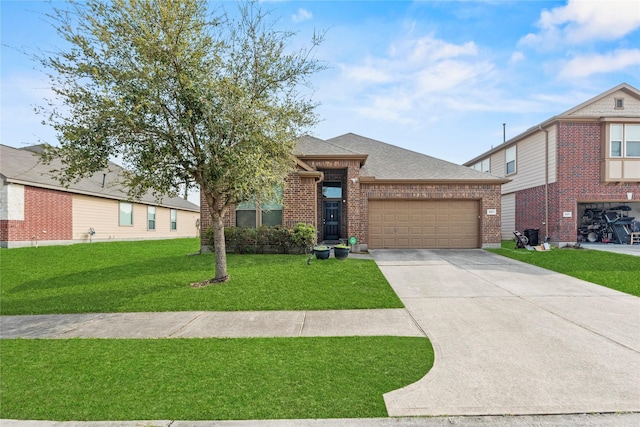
[
  {"x": 303, "y": 200},
  {"x": 579, "y": 180},
  {"x": 48, "y": 215},
  {"x": 299, "y": 201}
]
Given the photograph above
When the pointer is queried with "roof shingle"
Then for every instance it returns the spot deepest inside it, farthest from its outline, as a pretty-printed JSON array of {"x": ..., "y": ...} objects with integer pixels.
[{"x": 23, "y": 166}]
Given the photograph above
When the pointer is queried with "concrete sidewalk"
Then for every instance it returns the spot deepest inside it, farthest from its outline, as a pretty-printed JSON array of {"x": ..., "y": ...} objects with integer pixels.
[
  {"x": 509, "y": 338},
  {"x": 201, "y": 324},
  {"x": 573, "y": 420},
  {"x": 512, "y": 338}
]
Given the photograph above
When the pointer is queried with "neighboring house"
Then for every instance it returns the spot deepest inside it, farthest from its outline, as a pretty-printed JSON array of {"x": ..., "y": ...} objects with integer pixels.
[
  {"x": 35, "y": 209},
  {"x": 383, "y": 195},
  {"x": 584, "y": 160}
]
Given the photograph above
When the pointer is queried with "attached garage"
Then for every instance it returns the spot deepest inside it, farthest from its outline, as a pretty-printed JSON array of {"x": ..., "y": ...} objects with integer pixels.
[{"x": 424, "y": 224}]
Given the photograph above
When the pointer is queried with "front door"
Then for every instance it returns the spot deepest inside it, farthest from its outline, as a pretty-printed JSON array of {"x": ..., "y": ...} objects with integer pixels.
[{"x": 331, "y": 220}]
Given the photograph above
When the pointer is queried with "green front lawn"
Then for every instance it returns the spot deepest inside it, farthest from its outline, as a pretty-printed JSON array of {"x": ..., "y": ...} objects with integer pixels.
[
  {"x": 616, "y": 271},
  {"x": 155, "y": 276},
  {"x": 206, "y": 379}
]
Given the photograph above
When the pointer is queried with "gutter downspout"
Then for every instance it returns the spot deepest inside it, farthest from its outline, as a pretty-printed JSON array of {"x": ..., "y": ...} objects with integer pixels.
[{"x": 546, "y": 183}]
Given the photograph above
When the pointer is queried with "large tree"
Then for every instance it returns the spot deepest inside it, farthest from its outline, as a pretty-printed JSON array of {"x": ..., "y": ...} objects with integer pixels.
[{"x": 180, "y": 95}]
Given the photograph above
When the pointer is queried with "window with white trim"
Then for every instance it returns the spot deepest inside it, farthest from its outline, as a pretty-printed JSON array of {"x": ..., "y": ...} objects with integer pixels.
[
  {"x": 151, "y": 217},
  {"x": 510, "y": 160},
  {"x": 632, "y": 140},
  {"x": 126, "y": 214},
  {"x": 624, "y": 140},
  {"x": 174, "y": 220},
  {"x": 615, "y": 140},
  {"x": 483, "y": 166}
]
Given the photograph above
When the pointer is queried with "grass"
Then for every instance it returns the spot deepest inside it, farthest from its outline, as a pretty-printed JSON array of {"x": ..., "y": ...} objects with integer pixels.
[
  {"x": 206, "y": 379},
  {"x": 615, "y": 271},
  {"x": 155, "y": 276}
]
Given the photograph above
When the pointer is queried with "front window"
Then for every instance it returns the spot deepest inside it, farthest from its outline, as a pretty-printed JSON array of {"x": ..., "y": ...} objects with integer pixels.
[
  {"x": 615, "y": 136},
  {"x": 632, "y": 138},
  {"x": 174, "y": 219},
  {"x": 253, "y": 214},
  {"x": 126, "y": 214},
  {"x": 510, "y": 165},
  {"x": 151, "y": 217},
  {"x": 246, "y": 214},
  {"x": 624, "y": 140}
]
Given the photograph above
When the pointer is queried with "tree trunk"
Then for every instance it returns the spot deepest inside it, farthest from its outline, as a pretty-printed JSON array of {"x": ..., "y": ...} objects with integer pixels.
[{"x": 219, "y": 247}]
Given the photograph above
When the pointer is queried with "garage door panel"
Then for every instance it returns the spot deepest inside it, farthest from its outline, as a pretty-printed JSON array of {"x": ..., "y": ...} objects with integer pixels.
[{"x": 424, "y": 223}]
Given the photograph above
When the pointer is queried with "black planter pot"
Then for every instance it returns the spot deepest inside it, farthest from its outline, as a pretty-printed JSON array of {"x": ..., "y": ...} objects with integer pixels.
[
  {"x": 322, "y": 252},
  {"x": 340, "y": 253}
]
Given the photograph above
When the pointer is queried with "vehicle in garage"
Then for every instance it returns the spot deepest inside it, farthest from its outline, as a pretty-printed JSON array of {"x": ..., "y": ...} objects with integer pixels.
[{"x": 576, "y": 176}]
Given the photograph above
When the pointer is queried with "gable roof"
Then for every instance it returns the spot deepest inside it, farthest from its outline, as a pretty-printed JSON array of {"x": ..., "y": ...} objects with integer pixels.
[
  {"x": 385, "y": 162},
  {"x": 579, "y": 112},
  {"x": 23, "y": 166}
]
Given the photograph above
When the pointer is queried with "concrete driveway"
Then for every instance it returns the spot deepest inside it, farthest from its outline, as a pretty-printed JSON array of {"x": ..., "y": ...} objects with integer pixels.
[{"x": 511, "y": 338}]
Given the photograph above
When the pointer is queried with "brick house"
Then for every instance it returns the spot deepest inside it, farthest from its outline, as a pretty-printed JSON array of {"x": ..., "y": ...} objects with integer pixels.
[
  {"x": 383, "y": 195},
  {"x": 36, "y": 210},
  {"x": 584, "y": 160}
]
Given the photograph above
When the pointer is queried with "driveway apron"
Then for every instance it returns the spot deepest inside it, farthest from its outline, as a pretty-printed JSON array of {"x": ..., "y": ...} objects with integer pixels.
[{"x": 511, "y": 338}]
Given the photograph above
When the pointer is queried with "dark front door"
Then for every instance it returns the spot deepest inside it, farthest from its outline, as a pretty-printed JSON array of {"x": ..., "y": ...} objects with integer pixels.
[{"x": 331, "y": 220}]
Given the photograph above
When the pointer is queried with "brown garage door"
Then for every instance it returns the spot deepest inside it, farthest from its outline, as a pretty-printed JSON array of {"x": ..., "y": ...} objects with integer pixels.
[{"x": 424, "y": 224}]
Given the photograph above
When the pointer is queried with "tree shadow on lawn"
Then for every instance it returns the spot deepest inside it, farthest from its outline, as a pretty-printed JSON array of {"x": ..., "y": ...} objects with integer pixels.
[
  {"x": 258, "y": 282},
  {"x": 163, "y": 269}
]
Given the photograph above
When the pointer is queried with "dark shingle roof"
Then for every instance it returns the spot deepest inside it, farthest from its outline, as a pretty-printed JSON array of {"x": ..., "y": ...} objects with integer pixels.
[
  {"x": 390, "y": 162},
  {"x": 23, "y": 166}
]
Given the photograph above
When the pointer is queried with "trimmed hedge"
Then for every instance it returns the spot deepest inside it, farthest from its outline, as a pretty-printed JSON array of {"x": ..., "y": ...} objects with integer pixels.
[{"x": 263, "y": 240}]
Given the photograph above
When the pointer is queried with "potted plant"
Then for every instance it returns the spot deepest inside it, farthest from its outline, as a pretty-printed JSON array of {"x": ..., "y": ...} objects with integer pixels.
[
  {"x": 322, "y": 251},
  {"x": 341, "y": 251}
]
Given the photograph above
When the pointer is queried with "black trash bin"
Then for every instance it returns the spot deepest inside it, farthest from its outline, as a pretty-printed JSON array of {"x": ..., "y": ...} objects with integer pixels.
[{"x": 532, "y": 235}]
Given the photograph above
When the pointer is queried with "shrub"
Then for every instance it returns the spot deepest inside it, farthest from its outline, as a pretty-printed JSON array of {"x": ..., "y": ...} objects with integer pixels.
[
  {"x": 303, "y": 236},
  {"x": 265, "y": 239}
]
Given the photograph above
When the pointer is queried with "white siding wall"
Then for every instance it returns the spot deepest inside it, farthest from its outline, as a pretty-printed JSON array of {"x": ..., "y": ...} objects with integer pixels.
[
  {"x": 103, "y": 216},
  {"x": 11, "y": 201},
  {"x": 508, "y": 218}
]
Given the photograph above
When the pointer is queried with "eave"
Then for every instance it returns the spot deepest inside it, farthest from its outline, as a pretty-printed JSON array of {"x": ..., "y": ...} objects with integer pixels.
[
  {"x": 361, "y": 157},
  {"x": 374, "y": 180}
]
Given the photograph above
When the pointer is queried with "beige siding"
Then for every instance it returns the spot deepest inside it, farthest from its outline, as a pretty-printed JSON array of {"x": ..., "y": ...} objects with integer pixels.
[
  {"x": 530, "y": 166},
  {"x": 497, "y": 163},
  {"x": 103, "y": 216},
  {"x": 508, "y": 216},
  {"x": 606, "y": 106}
]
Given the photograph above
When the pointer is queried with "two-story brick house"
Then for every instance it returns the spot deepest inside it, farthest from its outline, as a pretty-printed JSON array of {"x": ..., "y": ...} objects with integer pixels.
[
  {"x": 383, "y": 195},
  {"x": 584, "y": 160}
]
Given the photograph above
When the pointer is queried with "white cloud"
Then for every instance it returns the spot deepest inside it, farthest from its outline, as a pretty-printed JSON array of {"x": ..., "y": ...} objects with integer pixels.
[
  {"x": 585, "y": 20},
  {"x": 301, "y": 15},
  {"x": 516, "y": 57},
  {"x": 587, "y": 65},
  {"x": 367, "y": 73},
  {"x": 412, "y": 75},
  {"x": 427, "y": 49}
]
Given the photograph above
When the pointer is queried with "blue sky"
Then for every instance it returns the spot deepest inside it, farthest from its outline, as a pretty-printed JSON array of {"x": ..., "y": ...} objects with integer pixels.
[{"x": 436, "y": 77}]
